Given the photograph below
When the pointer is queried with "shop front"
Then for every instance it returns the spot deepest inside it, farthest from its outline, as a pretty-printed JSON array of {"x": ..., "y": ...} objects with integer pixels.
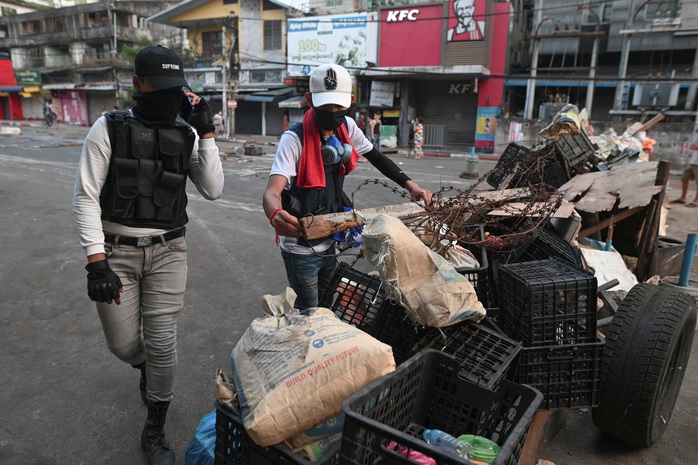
[
  {"x": 259, "y": 112},
  {"x": 449, "y": 112},
  {"x": 10, "y": 100},
  {"x": 69, "y": 103}
]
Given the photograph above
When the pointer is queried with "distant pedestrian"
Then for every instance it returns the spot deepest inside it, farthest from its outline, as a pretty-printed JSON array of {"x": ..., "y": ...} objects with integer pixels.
[
  {"x": 218, "y": 123},
  {"x": 361, "y": 123},
  {"x": 690, "y": 174},
  {"x": 375, "y": 126},
  {"x": 418, "y": 137},
  {"x": 410, "y": 139}
]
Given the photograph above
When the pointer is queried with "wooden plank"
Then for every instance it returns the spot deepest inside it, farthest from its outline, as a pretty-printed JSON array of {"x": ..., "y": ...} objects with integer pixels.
[
  {"x": 544, "y": 427},
  {"x": 607, "y": 222},
  {"x": 517, "y": 208},
  {"x": 627, "y": 186},
  {"x": 655, "y": 119},
  {"x": 653, "y": 243},
  {"x": 315, "y": 227},
  {"x": 643, "y": 258},
  {"x": 633, "y": 128}
]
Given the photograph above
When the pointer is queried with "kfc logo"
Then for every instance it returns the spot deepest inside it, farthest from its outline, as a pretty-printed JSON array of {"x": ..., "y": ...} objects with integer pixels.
[{"x": 396, "y": 16}]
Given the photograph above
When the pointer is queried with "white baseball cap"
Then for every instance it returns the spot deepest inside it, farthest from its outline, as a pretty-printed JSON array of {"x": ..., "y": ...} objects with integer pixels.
[{"x": 330, "y": 83}]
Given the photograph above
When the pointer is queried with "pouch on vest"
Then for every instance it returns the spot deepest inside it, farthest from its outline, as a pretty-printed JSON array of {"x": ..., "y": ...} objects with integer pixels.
[
  {"x": 164, "y": 196},
  {"x": 142, "y": 142},
  {"x": 149, "y": 171},
  {"x": 172, "y": 147},
  {"x": 127, "y": 188}
]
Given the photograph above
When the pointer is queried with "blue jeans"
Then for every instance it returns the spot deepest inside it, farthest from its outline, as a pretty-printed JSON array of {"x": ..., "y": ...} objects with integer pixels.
[
  {"x": 144, "y": 327},
  {"x": 377, "y": 141},
  {"x": 309, "y": 276}
]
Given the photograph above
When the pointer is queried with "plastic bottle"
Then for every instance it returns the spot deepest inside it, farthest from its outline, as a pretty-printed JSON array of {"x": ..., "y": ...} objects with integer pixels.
[{"x": 448, "y": 443}]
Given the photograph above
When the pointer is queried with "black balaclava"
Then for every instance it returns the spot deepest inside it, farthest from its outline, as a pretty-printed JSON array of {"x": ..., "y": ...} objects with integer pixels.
[{"x": 158, "y": 108}]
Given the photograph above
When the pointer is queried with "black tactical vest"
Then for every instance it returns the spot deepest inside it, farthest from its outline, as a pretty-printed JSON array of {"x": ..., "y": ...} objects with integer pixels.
[
  {"x": 302, "y": 202},
  {"x": 146, "y": 183}
]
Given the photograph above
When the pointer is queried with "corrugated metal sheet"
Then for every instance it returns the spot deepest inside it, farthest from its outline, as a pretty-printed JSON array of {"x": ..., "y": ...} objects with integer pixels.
[{"x": 457, "y": 112}]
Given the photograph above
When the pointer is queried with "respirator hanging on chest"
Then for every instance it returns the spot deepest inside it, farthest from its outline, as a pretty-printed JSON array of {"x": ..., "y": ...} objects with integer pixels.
[{"x": 333, "y": 151}]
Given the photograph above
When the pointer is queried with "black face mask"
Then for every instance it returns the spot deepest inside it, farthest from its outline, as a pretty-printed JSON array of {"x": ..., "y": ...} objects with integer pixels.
[
  {"x": 330, "y": 120},
  {"x": 158, "y": 108}
]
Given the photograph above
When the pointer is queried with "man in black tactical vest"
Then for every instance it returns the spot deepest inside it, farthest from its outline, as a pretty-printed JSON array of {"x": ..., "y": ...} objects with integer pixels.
[
  {"x": 307, "y": 176},
  {"x": 130, "y": 208}
]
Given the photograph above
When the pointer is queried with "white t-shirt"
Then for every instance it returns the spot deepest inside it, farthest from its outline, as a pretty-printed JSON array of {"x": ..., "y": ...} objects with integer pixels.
[{"x": 288, "y": 154}]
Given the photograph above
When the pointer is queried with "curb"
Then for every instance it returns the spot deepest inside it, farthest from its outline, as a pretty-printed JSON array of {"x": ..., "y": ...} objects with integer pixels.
[{"x": 480, "y": 156}]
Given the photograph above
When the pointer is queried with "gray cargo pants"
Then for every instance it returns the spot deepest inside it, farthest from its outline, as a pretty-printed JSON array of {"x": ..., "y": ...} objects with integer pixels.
[{"x": 143, "y": 328}]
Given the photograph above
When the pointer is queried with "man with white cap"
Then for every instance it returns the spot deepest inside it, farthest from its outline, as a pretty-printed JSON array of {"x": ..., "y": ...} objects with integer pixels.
[
  {"x": 307, "y": 176},
  {"x": 130, "y": 207}
]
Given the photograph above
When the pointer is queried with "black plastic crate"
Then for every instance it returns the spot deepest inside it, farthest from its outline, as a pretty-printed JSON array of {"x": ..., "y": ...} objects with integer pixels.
[
  {"x": 554, "y": 175},
  {"x": 395, "y": 328},
  {"x": 235, "y": 447},
  {"x": 252, "y": 150},
  {"x": 544, "y": 245},
  {"x": 427, "y": 392},
  {"x": 354, "y": 297},
  {"x": 484, "y": 354},
  {"x": 574, "y": 149},
  {"x": 567, "y": 375},
  {"x": 509, "y": 163},
  {"x": 547, "y": 302},
  {"x": 378, "y": 316}
]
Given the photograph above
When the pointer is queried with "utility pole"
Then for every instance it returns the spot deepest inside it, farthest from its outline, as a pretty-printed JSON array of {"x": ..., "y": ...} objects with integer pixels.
[
  {"x": 691, "y": 95},
  {"x": 618, "y": 102},
  {"x": 235, "y": 70},
  {"x": 114, "y": 53},
  {"x": 531, "y": 89},
  {"x": 224, "y": 76},
  {"x": 594, "y": 58}
]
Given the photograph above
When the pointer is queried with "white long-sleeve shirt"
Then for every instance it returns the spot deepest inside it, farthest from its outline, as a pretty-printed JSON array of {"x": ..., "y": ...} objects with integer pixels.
[{"x": 205, "y": 171}]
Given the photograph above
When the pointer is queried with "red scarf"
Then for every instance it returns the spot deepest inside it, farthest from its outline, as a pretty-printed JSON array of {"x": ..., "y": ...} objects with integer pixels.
[{"x": 311, "y": 169}]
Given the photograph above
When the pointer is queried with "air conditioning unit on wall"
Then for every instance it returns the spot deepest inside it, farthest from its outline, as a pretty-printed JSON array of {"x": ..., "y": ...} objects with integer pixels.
[{"x": 656, "y": 95}]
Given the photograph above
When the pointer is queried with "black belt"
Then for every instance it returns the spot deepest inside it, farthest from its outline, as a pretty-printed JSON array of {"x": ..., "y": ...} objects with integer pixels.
[{"x": 143, "y": 241}]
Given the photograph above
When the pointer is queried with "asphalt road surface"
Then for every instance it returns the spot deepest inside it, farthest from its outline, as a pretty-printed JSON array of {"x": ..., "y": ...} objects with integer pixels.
[{"x": 64, "y": 399}]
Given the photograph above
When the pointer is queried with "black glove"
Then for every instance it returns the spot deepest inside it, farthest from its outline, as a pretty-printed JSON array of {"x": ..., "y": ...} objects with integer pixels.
[
  {"x": 102, "y": 283},
  {"x": 201, "y": 118}
]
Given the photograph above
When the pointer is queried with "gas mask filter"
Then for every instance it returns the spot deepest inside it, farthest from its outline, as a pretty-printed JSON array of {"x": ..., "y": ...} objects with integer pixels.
[{"x": 333, "y": 151}]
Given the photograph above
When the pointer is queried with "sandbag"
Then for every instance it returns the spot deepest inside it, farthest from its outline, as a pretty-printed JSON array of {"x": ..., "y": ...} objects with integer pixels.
[
  {"x": 293, "y": 372},
  {"x": 279, "y": 304},
  {"x": 430, "y": 289}
]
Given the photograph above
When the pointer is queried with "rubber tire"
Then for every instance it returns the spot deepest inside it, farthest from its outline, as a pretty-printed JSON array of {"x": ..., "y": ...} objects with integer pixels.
[{"x": 643, "y": 363}]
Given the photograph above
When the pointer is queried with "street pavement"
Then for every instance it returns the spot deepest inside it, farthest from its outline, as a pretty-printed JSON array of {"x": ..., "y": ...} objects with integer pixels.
[{"x": 64, "y": 399}]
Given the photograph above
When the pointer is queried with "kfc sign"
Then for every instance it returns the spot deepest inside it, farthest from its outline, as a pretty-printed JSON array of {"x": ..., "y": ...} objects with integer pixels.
[
  {"x": 411, "y": 36},
  {"x": 402, "y": 15}
]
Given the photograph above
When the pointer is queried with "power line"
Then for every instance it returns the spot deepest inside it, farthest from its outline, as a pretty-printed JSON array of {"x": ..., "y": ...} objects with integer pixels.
[{"x": 398, "y": 72}]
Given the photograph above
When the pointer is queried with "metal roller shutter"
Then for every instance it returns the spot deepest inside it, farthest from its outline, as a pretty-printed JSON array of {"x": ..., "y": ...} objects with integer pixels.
[{"x": 456, "y": 112}]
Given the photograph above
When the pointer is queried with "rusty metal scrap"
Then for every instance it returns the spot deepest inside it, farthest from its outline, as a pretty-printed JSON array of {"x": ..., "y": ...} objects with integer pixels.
[{"x": 456, "y": 215}]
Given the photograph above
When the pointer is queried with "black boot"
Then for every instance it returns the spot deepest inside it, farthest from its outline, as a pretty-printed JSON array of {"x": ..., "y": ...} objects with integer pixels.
[
  {"x": 143, "y": 382},
  {"x": 153, "y": 437}
]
